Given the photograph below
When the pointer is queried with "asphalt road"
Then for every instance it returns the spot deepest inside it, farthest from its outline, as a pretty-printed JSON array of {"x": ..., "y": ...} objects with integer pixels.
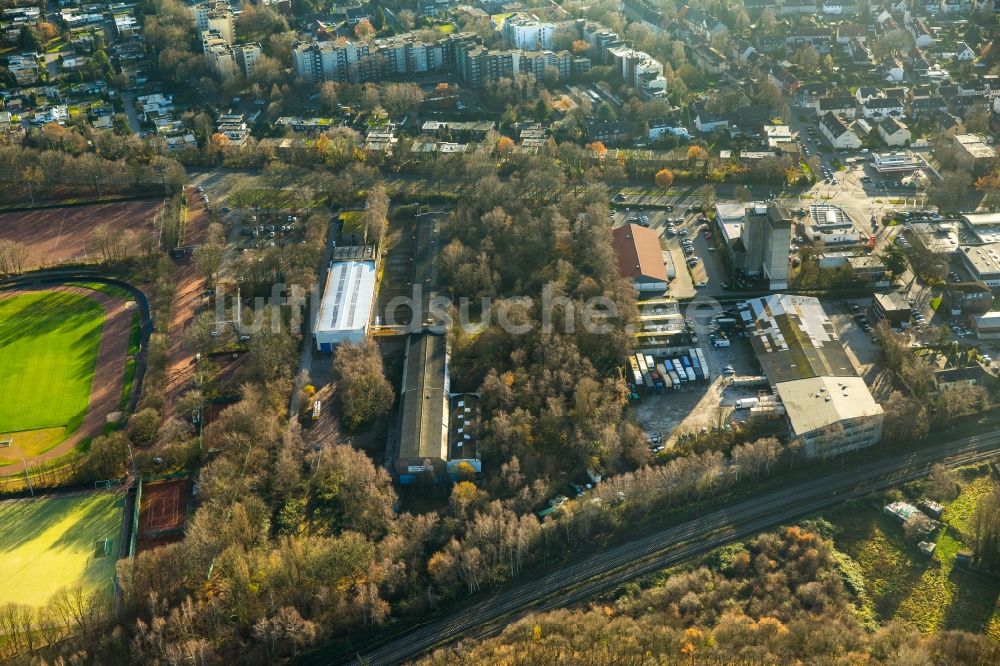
[{"x": 609, "y": 568}]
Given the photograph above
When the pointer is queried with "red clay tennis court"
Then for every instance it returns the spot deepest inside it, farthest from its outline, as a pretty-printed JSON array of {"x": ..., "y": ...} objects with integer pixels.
[{"x": 163, "y": 507}]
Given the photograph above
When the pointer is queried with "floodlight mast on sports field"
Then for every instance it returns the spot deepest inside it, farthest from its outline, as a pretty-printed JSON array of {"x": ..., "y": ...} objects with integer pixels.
[{"x": 27, "y": 477}]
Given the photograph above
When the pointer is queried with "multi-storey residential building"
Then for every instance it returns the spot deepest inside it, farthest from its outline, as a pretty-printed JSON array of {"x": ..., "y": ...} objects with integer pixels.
[
  {"x": 527, "y": 33},
  {"x": 406, "y": 54},
  {"x": 222, "y": 22},
  {"x": 222, "y": 61},
  {"x": 476, "y": 65},
  {"x": 246, "y": 56},
  {"x": 766, "y": 234},
  {"x": 330, "y": 61},
  {"x": 202, "y": 10},
  {"x": 211, "y": 39}
]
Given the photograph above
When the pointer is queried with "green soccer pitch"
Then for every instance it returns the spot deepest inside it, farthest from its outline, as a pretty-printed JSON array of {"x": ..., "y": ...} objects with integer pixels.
[
  {"x": 48, "y": 350},
  {"x": 59, "y": 541}
]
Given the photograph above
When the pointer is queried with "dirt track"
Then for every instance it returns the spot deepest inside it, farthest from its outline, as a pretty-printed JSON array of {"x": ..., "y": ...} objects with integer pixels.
[
  {"x": 109, "y": 372},
  {"x": 190, "y": 285},
  {"x": 60, "y": 235}
]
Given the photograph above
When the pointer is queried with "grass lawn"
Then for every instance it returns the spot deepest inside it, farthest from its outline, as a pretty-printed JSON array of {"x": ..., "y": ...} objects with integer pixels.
[
  {"x": 127, "y": 385},
  {"x": 354, "y": 221},
  {"x": 51, "y": 542},
  {"x": 32, "y": 442},
  {"x": 935, "y": 303},
  {"x": 109, "y": 289},
  {"x": 48, "y": 350},
  {"x": 900, "y": 582}
]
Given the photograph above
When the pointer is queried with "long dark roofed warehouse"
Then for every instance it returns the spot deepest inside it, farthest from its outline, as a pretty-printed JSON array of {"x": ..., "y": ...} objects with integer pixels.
[
  {"x": 424, "y": 394},
  {"x": 423, "y": 440}
]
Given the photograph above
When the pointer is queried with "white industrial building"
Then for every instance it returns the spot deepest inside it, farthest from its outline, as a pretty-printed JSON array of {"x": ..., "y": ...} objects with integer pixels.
[
  {"x": 828, "y": 406},
  {"x": 345, "y": 310},
  {"x": 832, "y": 225}
]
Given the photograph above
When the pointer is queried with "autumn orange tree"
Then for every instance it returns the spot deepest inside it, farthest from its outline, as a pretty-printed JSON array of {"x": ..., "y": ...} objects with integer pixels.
[
  {"x": 696, "y": 153},
  {"x": 664, "y": 178},
  {"x": 598, "y": 149},
  {"x": 364, "y": 29},
  {"x": 505, "y": 145},
  {"x": 989, "y": 185}
]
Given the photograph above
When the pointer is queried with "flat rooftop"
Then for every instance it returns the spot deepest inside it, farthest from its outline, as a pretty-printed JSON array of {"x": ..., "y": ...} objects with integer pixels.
[
  {"x": 982, "y": 219},
  {"x": 825, "y": 216},
  {"x": 819, "y": 402},
  {"x": 730, "y": 217},
  {"x": 937, "y": 237},
  {"x": 988, "y": 321},
  {"x": 892, "y": 301},
  {"x": 975, "y": 146},
  {"x": 985, "y": 259},
  {"x": 793, "y": 339},
  {"x": 348, "y": 297}
]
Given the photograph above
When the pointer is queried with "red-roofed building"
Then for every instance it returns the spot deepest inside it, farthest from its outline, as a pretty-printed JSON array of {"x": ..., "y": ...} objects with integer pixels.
[{"x": 640, "y": 257}]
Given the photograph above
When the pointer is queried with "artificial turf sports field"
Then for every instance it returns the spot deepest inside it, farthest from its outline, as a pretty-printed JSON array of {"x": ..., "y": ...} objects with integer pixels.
[
  {"x": 48, "y": 350},
  {"x": 61, "y": 540}
]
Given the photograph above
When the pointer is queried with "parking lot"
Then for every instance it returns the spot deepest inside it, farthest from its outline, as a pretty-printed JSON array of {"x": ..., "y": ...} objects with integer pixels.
[
  {"x": 861, "y": 348},
  {"x": 859, "y": 190},
  {"x": 700, "y": 404},
  {"x": 262, "y": 230},
  {"x": 706, "y": 274}
]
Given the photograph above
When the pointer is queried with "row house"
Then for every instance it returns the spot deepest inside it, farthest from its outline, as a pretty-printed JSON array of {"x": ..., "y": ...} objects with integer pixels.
[
  {"x": 922, "y": 36},
  {"x": 893, "y": 70},
  {"x": 818, "y": 38},
  {"x": 839, "y": 105},
  {"x": 927, "y": 107},
  {"x": 706, "y": 121},
  {"x": 840, "y": 8},
  {"x": 797, "y": 8},
  {"x": 882, "y": 107},
  {"x": 850, "y": 31},
  {"x": 708, "y": 59},
  {"x": 859, "y": 51},
  {"x": 698, "y": 23},
  {"x": 784, "y": 80}
]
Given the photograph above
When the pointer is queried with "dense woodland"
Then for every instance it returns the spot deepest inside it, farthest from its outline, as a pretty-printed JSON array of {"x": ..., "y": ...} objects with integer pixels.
[
  {"x": 293, "y": 547},
  {"x": 780, "y": 598}
]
